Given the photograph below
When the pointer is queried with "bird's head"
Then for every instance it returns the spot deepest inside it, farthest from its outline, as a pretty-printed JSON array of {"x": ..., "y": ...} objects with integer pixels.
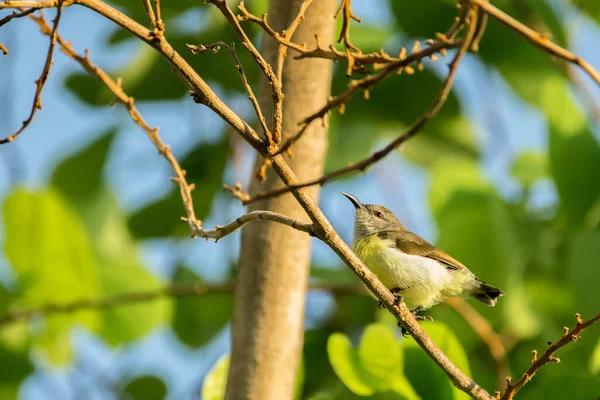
[{"x": 372, "y": 218}]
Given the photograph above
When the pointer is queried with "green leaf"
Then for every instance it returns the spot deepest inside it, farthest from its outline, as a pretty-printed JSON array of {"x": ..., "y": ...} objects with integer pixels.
[
  {"x": 79, "y": 176},
  {"x": 595, "y": 360},
  {"x": 375, "y": 368},
  {"x": 347, "y": 366},
  {"x": 145, "y": 388},
  {"x": 574, "y": 154},
  {"x": 437, "y": 385},
  {"x": 590, "y": 7},
  {"x": 198, "y": 319},
  {"x": 583, "y": 273},
  {"x": 205, "y": 166},
  {"x": 57, "y": 265},
  {"x": 17, "y": 367},
  {"x": 477, "y": 228},
  {"x": 215, "y": 381},
  {"x": 380, "y": 117},
  {"x": 130, "y": 322},
  {"x": 380, "y": 354},
  {"x": 529, "y": 167}
]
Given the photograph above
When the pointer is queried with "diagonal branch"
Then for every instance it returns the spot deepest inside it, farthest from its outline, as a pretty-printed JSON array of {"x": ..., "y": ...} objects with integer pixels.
[
  {"x": 287, "y": 35},
  {"x": 415, "y": 128},
  {"x": 485, "y": 331},
  {"x": 321, "y": 225},
  {"x": 15, "y": 14},
  {"x": 116, "y": 88},
  {"x": 275, "y": 137},
  {"x": 238, "y": 66},
  {"x": 538, "y": 39},
  {"x": 548, "y": 356},
  {"x": 364, "y": 84},
  {"x": 41, "y": 81}
]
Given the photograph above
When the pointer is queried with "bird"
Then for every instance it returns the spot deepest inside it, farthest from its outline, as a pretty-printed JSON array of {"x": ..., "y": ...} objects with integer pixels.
[{"x": 413, "y": 269}]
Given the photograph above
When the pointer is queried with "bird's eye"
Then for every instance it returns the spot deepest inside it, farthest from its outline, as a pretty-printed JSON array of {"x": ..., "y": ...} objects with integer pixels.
[{"x": 379, "y": 214}]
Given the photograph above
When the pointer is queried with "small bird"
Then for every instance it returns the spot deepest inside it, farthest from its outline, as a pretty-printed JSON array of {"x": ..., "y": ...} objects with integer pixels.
[{"x": 413, "y": 269}]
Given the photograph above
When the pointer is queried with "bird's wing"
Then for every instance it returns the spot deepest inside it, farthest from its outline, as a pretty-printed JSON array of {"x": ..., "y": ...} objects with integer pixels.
[{"x": 413, "y": 244}]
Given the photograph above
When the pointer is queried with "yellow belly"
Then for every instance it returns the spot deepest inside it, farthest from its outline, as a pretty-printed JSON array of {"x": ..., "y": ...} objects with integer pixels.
[{"x": 425, "y": 281}]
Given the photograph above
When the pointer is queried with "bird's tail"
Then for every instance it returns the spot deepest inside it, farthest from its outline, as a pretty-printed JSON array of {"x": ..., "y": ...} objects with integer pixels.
[{"x": 487, "y": 294}]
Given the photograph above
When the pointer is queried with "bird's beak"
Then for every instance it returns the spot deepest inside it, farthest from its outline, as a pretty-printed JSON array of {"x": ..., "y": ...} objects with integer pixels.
[{"x": 354, "y": 200}]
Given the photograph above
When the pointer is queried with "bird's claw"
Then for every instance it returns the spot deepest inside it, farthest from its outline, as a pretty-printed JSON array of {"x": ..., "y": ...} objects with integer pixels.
[
  {"x": 424, "y": 318},
  {"x": 398, "y": 298}
]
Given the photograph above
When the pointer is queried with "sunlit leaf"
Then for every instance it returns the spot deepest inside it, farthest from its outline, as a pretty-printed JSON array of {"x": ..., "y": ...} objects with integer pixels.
[
  {"x": 530, "y": 167},
  {"x": 215, "y": 381},
  {"x": 418, "y": 364},
  {"x": 58, "y": 255},
  {"x": 347, "y": 366},
  {"x": 380, "y": 354},
  {"x": 130, "y": 322},
  {"x": 595, "y": 360}
]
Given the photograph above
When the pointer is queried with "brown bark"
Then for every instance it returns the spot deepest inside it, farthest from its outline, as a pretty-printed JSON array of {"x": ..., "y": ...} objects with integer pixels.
[{"x": 274, "y": 262}]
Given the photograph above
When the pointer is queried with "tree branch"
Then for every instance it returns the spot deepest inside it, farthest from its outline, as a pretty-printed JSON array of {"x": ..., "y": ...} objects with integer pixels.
[
  {"x": 485, "y": 331},
  {"x": 321, "y": 225},
  {"x": 116, "y": 88},
  {"x": 238, "y": 66},
  {"x": 221, "y": 231},
  {"x": 548, "y": 356},
  {"x": 378, "y": 155},
  {"x": 15, "y": 14},
  {"x": 287, "y": 35},
  {"x": 41, "y": 81},
  {"x": 275, "y": 137},
  {"x": 537, "y": 39},
  {"x": 176, "y": 290}
]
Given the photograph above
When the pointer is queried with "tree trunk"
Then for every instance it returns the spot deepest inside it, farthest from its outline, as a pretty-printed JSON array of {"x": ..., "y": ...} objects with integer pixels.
[{"x": 275, "y": 259}]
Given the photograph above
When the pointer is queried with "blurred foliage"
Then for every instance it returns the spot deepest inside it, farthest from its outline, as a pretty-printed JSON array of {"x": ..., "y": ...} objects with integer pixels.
[{"x": 72, "y": 240}]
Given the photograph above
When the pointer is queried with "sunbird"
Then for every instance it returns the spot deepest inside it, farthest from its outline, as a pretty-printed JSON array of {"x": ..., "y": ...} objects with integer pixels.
[{"x": 414, "y": 270}]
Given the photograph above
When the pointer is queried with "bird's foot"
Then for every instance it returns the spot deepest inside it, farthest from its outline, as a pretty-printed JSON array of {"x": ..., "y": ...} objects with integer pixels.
[
  {"x": 398, "y": 298},
  {"x": 417, "y": 317},
  {"x": 424, "y": 318}
]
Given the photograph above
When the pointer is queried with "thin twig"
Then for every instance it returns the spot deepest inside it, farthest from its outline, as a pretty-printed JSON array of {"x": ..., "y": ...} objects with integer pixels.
[
  {"x": 287, "y": 35},
  {"x": 485, "y": 331},
  {"x": 238, "y": 66},
  {"x": 150, "y": 13},
  {"x": 322, "y": 226},
  {"x": 364, "y": 84},
  {"x": 34, "y": 3},
  {"x": 175, "y": 290},
  {"x": 222, "y": 231},
  {"x": 15, "y": 14},
  {"x": 273, "y": 138},
  {"x": 116, "y": 88},
  {"x": 409, "y": 133},
  {"x": 548, "y": 356},
  {"x": 537, "y": 39},
  {"x": 41, "y": 81},
  {"x": 346, "y": 10}
]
